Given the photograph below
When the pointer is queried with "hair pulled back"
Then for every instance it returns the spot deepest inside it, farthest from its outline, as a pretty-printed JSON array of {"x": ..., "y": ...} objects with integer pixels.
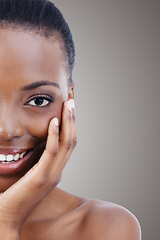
[{"x": 42, "y": 17}]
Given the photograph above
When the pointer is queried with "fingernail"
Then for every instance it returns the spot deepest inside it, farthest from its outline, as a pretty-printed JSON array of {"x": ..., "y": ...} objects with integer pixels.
[
  {"x": 69, "y": 105},
  {"x": 72, "y": 103},
  {"x": 55, "y": 121}
]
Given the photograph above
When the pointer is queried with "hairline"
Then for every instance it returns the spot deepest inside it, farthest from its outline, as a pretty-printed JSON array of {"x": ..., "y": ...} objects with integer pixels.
[{"x": 52, "y": 35}]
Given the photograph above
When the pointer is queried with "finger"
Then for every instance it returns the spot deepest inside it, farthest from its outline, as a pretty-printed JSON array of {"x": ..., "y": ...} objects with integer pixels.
[
  {"x": 35, "y": 185},
  {"x": 28, "y": 191},
  {"x": 65, "y": 140},
  {"x": 74, "y": 139},
  {"x": 45, "y": 172},
  {"x": 52, "y": 148}
]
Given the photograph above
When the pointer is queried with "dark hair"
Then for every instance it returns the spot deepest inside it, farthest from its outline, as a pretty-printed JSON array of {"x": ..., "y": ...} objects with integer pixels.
[{"x": 42, "y": 17}]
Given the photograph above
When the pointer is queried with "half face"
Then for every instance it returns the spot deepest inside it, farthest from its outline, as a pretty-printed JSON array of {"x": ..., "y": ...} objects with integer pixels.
[{"x": 33, "y": 87}]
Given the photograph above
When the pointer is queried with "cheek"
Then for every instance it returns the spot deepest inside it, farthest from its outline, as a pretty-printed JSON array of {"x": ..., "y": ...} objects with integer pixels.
[{"x": 37, "y": 124}]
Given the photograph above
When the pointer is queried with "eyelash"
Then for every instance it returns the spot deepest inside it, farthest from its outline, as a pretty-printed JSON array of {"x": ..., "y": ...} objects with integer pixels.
[{"x": 48, "y": 98}]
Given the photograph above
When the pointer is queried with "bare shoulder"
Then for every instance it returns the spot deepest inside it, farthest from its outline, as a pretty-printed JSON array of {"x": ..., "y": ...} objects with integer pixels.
[{"x": 105, "y": 220}]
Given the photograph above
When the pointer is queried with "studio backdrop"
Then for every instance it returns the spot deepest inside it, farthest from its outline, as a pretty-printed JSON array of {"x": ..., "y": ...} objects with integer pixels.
[{"x": 117, "y": 94}]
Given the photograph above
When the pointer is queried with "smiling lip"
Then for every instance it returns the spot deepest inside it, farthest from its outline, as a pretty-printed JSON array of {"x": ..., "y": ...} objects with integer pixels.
[
  {"x": 13, "y": 167},
  {"x": 12, "y": 150}
]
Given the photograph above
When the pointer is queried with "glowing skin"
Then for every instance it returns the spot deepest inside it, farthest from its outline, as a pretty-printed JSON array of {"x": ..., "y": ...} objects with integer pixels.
[
  {"x": 26, "y": 58},
  {"x": 33, "y": 207}
]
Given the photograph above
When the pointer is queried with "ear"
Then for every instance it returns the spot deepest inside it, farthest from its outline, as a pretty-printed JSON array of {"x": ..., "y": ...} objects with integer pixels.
[{"x": 71, "y": 91}]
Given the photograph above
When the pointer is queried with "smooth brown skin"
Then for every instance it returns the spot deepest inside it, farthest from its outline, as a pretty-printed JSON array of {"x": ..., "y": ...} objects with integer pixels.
[{"x": 32, "y": 207}]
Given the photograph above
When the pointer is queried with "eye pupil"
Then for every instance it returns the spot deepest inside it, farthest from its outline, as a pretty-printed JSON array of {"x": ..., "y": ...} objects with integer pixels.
[{"x": 39, "y": 101}]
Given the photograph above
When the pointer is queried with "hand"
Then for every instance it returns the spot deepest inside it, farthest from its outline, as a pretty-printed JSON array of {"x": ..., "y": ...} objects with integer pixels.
[{"x": 17, "y": 202}]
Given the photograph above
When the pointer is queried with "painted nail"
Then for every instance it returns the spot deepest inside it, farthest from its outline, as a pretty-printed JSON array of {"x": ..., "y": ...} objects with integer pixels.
[
  {"x": 55, "y": 121},
  {"x": 72, "y": 103}
]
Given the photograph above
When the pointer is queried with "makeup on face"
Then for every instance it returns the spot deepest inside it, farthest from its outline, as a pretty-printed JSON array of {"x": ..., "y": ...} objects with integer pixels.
[{"x": 33, "y": 88}]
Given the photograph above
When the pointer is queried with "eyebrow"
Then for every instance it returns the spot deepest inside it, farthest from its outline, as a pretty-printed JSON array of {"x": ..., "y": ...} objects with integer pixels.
[{"x": 39, "y": 84}]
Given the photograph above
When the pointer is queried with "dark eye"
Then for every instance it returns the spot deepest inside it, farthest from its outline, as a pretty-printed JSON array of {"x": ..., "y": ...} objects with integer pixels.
[{"x": 40, "y": 101}]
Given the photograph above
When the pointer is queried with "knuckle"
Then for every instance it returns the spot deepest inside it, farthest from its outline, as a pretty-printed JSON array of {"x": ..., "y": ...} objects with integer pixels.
[
  {"x": 74, "y": 142},
  {"x": 52, "y": 152},
  {"x": 68, "y": 144}
]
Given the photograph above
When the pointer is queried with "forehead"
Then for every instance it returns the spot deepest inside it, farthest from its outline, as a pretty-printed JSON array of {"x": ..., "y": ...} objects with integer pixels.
[{"x": 29, "y": 56}]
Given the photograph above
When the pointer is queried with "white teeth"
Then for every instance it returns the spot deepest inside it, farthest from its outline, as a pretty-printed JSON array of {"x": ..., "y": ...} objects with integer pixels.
[
  {"x": 22, "y": 154},
  {"x": 16, "y": 157},
  {"x": 3, "y": 157},
  {"x": 9, "y": 158}
]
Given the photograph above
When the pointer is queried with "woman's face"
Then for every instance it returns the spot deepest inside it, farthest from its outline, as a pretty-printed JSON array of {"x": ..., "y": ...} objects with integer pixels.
[{"x": 33, "y": 87}]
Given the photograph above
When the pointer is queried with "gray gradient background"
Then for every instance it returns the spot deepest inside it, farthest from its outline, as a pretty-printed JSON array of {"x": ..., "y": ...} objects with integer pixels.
[{"x": 117, "y": 102}]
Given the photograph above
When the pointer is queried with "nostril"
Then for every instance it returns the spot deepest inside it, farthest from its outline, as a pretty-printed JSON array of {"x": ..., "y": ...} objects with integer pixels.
[
  {"x": 7, "y": 133},
  {"x": 11, "y": 125}
]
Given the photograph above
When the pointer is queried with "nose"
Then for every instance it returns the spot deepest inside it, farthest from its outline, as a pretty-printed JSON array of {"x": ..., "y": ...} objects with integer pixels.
[{"x": 10, "y": 126}]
